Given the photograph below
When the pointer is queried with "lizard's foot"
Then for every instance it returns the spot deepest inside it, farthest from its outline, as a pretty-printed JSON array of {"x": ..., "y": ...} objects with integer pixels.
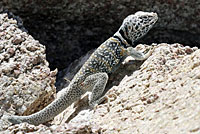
[
  {"x": 97, "y": 102},
  {"x": 137, "y": 55}
]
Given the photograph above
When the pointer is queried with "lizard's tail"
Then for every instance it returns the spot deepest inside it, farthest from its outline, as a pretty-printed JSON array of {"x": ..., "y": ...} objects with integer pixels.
[{"x": 49, "y": 112}]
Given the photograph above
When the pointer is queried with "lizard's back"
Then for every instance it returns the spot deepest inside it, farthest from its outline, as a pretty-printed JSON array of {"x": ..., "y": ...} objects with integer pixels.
[{"x": 106, "y": 58}]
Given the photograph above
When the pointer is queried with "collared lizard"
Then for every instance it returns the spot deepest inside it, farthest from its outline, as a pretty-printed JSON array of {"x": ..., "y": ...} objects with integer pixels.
[{"x": 93, "y": 75}]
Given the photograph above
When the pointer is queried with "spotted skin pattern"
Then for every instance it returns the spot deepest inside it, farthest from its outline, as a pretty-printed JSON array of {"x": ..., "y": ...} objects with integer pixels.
[{"x": 93, "y": 75}]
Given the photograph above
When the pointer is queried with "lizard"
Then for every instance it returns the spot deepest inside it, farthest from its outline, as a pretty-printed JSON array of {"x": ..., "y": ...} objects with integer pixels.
[{"x": 93, "y": 75}]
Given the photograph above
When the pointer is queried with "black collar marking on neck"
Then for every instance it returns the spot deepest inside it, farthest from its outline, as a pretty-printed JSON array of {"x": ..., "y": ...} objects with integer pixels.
[
  {"x": 122, "y": 43},
  {"x": 122, "y": 34}
]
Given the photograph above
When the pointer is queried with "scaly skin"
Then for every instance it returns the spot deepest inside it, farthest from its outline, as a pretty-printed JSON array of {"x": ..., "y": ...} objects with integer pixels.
[{"x": 93, "y": 75}]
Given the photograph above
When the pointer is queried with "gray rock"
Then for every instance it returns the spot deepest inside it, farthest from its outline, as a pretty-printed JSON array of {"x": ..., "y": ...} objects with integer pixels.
[
  {"x": 26, "y": 82},
  {"x": 158, "y": 97}
]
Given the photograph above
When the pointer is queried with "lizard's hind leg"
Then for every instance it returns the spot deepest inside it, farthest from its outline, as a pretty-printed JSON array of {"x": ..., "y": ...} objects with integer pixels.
[{"x": 96, "y": 83}]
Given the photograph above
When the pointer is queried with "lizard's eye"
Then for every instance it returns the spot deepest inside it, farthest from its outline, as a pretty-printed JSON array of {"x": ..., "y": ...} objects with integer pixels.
[{"x": 129, "y": 27}]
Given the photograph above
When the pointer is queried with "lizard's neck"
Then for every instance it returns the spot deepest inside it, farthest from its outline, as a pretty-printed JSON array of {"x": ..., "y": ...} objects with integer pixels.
[{"x": 125, "y": 42}]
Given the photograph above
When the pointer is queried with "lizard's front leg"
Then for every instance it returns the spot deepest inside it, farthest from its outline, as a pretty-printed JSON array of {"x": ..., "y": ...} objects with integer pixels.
[
  {"x": 139, "y": 55},
  {"x": 96, "y": 83}
]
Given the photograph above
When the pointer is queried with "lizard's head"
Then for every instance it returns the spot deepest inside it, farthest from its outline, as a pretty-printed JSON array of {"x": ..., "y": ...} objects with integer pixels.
[{"x": 137, "y": 25}]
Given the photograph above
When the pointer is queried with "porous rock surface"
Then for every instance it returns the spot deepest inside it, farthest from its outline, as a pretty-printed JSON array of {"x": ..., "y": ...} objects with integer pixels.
[
  {"x": 71, "y": 28},
  {"x": 162, "y": 96},
  {"x": 26, "y": 82}
]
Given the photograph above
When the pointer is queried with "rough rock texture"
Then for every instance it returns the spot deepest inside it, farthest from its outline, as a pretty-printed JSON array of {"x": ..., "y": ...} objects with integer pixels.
[
  {"x": 162, "y": 96},
  {"x": 70, "y": 28},
  {"x": 26, "y": 82}
]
